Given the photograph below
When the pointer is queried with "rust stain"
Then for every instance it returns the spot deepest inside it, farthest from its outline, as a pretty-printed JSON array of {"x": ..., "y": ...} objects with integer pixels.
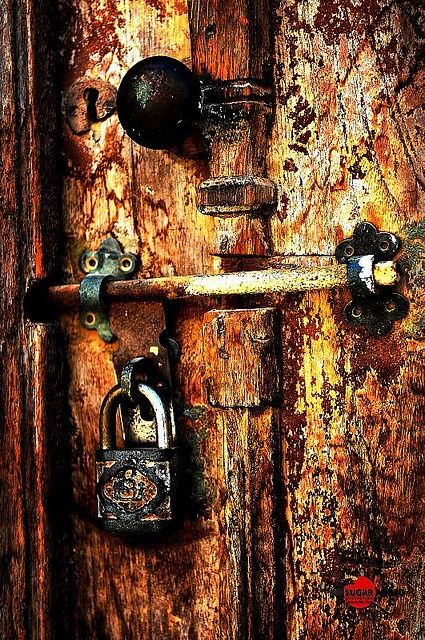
[
  {"x": 384, "y": 356},
  {"x": 166, "y": 9},
  {"x": 88, "y": 156},
  {"x": 334, "y": 19},
  {"x": 81, "y": 52}
]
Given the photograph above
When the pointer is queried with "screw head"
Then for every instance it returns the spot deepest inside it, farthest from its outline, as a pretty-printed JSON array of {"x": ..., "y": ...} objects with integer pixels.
[{"x": 158, "y": 101}]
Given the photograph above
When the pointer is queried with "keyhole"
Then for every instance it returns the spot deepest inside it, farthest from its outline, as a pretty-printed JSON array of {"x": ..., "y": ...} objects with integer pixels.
[{"x": 90, "y": 96}]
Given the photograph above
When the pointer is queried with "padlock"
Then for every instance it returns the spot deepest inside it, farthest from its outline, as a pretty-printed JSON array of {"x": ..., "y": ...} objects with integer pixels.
[{"x": 136, "y": 487}]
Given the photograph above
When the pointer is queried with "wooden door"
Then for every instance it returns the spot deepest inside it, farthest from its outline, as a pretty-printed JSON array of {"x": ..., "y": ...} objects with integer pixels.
[{"x": 293, "y": 488}]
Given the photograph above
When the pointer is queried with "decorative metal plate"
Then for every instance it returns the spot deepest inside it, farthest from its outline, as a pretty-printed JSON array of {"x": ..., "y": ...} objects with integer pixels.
[
  {"x": 374, "y": 307},
  {"x": 109, "y": 262}
]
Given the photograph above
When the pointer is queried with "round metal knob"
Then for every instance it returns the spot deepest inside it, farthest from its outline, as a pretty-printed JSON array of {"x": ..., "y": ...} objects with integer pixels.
[{"x": 158, "y": 101}]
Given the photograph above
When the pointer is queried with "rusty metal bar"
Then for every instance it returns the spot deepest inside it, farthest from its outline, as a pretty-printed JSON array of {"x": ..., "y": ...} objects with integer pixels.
[{"x": 270, "y": 281}]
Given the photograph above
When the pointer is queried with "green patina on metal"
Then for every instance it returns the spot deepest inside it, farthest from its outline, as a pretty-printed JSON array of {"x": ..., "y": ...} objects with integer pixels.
[
  {"x": 194, "y": 413},
  {"x": 200, "y": 488}
]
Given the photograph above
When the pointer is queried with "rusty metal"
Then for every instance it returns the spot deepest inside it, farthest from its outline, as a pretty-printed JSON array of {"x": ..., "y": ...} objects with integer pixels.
[
  {"x": 367, "y": 268},
  {"x": 158, "y": 102},
  {"x": 140, "y": 427},
  {"x": 267, "y": 281},
  {"x": 233, "y": 101},
  {"x": 378, "y": 313},
  {"x": 140, "y": 423},
  {"x": 367, "y": 240},
  {"x": 235, "y": 91},
  {"x": 374, "y": 305},
  {"x": 141, "y": 331},
  {"x": 108, "y": 409},
  {"x": 87, "y": 101},
  {"x": 236, "y": 195},
  {"x": 136, "y": 487},
  {"x": 412, "y": 262},
  {"x": 102, "y": 266}
]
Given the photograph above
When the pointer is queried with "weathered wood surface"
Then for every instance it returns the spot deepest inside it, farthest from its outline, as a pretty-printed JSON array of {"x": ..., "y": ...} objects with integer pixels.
[
  {"x": 348, "y": 135},
  {"x": 146, "y": 199},
  {"x": 32, "y": 472},
  {"x": 235, "y": 121},
  {"x": 345, "y": 146},
  {"x": 241, "y": 347},
  {"x": 338, "y": 468}
]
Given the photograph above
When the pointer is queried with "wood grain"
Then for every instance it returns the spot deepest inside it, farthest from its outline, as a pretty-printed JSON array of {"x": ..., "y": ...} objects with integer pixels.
[
  {"x": 338, "y": 467},
  {"x": 338, "y": 154},
  {"x": 33, "y": 477},
  {"x": 241, "y": 356},
  {"x": 353, "y": 469},
  {"x": 343, "y": 145},
  {"x": 235, "y": 119},
  {"x": 146, "y": 199}
]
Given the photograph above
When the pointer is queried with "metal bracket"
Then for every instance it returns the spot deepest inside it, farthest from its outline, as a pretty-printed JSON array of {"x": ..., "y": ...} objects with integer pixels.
[
  {"x": 141, "y": 329},
  {"x": 109, "y": 262},
  {"x": 374, "y": 307}
]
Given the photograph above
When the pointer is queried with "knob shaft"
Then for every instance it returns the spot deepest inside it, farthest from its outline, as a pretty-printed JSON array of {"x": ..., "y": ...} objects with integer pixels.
[{"x": 158, "y": 101}]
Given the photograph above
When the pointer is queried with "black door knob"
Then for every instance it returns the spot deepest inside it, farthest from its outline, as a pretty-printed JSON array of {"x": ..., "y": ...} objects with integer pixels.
[{"x": 158, "y": 101}]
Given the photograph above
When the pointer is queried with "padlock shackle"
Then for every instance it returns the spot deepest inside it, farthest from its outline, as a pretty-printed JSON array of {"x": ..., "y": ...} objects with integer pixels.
[
  {"x": 162, "y": 431},
  {"x": 108, "y": 411},
  {"x": 107, "y": 417}
]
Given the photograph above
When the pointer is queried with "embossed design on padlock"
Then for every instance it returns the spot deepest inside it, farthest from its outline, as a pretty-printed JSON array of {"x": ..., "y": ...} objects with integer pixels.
[{"x": 136, "y": 487}]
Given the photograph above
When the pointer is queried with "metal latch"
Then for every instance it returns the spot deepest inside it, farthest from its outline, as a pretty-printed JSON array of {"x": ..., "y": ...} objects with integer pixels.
[{"x": 366, "y": 266}]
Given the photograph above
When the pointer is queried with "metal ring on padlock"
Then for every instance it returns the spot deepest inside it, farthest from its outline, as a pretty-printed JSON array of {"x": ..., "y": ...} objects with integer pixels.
[
  {"x": 109, "y": 408},
  {"x": 131, "y": 376},
  {"x": 107, "y": 424},
  {"x": 162, "y": 432}
]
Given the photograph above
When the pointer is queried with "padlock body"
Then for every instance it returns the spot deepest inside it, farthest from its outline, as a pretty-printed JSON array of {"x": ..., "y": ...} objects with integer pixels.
[{"x": 136, "y": 489}]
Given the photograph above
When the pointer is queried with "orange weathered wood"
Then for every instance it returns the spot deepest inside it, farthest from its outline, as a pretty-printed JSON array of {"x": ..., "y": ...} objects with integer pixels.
[
  {"x": 242, "y": 357},
  {"x": 32, "y": 470},
  {"x": 343, "y": 150},
  {"x": 235, "y": 121},
  {"x": 285, "y": 506}
]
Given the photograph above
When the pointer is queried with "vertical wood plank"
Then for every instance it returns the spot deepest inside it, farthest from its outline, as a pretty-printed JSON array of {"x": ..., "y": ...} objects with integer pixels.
[
  {"x": 242, "y": 369},
  {"x": 349, "y": 86},
  {"x": 217, "y": 24},
  {"x": 251, "y": 607},
  {"x": 32, "y": 525},
  {"x": 13, "y": 550},
  {"x": 236, "y": 114}
]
